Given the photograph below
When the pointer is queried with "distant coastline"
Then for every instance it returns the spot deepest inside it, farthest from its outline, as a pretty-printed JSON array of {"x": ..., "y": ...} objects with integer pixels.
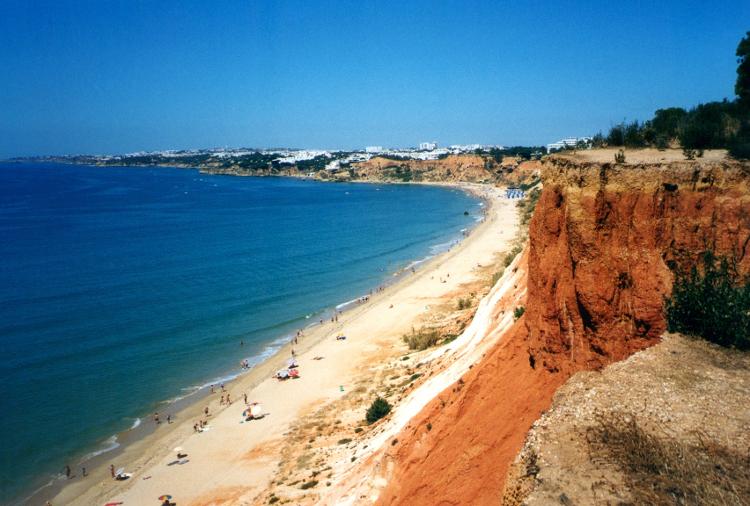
[{"x": 471, "y": 163}]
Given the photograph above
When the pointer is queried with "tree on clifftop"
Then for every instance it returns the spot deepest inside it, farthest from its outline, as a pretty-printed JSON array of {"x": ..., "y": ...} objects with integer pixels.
[{"x": 742, "y": 86}]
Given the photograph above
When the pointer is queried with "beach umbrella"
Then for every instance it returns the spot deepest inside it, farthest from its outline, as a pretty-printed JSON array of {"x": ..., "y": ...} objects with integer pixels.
[
  {"x": 120, "y": 471},
  {"x": 256, "y": 411},
  {"x": 165, "y": 497}
]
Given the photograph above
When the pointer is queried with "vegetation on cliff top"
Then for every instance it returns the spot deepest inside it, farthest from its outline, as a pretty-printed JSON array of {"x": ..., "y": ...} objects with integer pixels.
[
  {"x": 712, "y": 302},
  {"x": 713, "y": 125}
]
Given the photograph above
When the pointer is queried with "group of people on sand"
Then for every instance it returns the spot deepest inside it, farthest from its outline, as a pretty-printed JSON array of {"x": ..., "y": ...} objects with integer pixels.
[
  {"x": 69, "y": 473},
  {"x": 200, "y": 425},
  {"x": 157, "y": 420}
]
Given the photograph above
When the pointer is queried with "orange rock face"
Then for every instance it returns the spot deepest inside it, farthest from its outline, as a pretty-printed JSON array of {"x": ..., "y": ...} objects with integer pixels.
[
  {"x": 471, "y": 168},
  {"x": 603, "y": 242}
]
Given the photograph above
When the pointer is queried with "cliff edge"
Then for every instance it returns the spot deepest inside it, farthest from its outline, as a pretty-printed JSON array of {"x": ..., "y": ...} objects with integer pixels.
[{"x": 604, "y": 242}]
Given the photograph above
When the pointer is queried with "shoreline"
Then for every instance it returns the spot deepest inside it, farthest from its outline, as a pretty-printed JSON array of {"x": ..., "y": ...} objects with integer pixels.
[
  {"x": 132, "y": 442},
  {"x": 142, "y": 458}
]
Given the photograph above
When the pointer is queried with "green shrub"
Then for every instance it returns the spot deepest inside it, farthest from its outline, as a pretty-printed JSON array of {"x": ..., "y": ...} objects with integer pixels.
[
  {"x": 422, "y": 339},
  {"x": 662, "y": 142},
  {"x": 344, "y": 441},
  {"x": 616, "y": 135},
  {"x": 708, "y": 126},
  {"x": 739, "y": 146},
  {"x": 527, "y": 211},
  {"x": 712, "y": 302},
  {"x": 377, "y": 410},
  {"x": 511, "y": 255},
  {"x": 518, "y": 312},
  {"x": 620, "y": 156},
  {"x": 530, "y": 184},
  {"x": 308, "y": 484},
  {"x": 464, "y": 303}
]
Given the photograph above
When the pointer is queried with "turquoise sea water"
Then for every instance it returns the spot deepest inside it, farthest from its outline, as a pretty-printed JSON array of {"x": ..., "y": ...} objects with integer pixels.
[{"x": 121, "y": 288}]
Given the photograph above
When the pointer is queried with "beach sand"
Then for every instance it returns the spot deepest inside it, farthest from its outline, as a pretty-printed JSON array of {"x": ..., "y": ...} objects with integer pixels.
[{"x": 234, "y": 460}]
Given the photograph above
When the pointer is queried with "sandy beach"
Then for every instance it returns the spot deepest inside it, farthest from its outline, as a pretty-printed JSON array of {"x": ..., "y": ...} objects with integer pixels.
[{"x": 233, "y": 461}]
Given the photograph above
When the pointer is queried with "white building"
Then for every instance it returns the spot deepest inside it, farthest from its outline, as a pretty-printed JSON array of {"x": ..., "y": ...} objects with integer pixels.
[
  {"x": 292, "y": 157},
  {"x": 568, "y": 142},
  {"x": 374, "y": 149},
  {"x": 427, "y": 146}
]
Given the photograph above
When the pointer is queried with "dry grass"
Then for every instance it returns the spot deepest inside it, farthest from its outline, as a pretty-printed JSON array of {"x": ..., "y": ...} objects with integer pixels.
[{"x": 662, "y": 470}]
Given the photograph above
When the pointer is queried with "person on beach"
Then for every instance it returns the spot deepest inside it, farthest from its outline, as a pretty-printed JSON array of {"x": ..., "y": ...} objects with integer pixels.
[
  {"x": 67, "y": 471},
  {"x": 112, "y": 470},
  {"x": 169, "y": 419},
  {"x": 245, "y": 399},
  {"x": 221, "y": 402},
  {"x": 228, "y": 401},
  {"x": 156, "y": 417},
  {"x": 83, "y": 472},
  {"x": 212, "y": 389},
  {"x": 206, "y": 411},
  {"x": 242, "y": 343}
]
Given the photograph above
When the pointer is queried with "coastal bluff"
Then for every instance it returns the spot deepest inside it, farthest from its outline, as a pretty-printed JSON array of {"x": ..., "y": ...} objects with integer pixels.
[{"x": 604, "y": 244}]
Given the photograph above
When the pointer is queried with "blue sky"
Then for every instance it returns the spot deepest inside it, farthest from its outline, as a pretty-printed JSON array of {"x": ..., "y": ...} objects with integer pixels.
[{"x": 112, "y": 77}]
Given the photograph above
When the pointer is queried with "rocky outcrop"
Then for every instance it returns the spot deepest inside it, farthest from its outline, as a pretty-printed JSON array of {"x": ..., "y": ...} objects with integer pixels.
[
  {"x": 453, "y": 168},
  {"x": 603, "y": 244}
]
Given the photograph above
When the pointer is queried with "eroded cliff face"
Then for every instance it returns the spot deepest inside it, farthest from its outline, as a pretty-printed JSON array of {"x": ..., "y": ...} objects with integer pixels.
[
  {"x": 454, "y": 168},
  {"x": 603, "y": 243}
]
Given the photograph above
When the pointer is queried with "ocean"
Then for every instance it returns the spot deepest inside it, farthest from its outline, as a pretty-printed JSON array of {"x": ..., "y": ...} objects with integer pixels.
[{"x": 124, "y": 288}]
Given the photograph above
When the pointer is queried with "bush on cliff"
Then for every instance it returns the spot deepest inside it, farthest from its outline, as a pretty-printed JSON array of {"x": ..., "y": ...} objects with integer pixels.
[
  {"x": 712, "y": 302},
  {"x": 377, "y": 410},
  {"x": 423, "y": 338}
]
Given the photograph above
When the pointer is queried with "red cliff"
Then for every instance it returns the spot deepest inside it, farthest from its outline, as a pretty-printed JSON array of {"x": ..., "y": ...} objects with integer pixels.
[{"x": 602, "y": 246}]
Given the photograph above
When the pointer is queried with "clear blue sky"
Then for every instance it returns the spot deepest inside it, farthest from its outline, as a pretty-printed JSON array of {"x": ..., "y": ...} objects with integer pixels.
[{"x": 112, "y": 77}]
